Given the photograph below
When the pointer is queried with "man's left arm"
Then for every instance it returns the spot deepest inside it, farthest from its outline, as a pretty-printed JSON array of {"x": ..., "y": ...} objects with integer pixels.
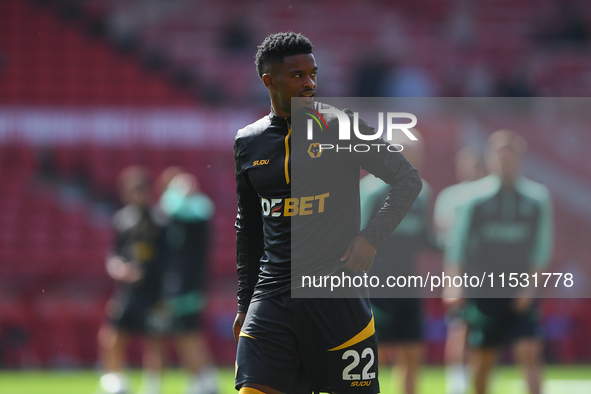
[
  {"x": 542, "y": 247},
  {"x": 428, "y": 236},
  {"x": 405, "y": 185}
]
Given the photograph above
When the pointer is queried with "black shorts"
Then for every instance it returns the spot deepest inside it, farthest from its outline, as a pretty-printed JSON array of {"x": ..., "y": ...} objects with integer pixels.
[
  {"x": 130, "y": 310},
  {"x": 186, "y": 324},
  {"x": 398, "y": 320},
  {"x": 186, "y": 310},
  {"x": 305, "y": 345},
  {"x": 494, "y": 322}
]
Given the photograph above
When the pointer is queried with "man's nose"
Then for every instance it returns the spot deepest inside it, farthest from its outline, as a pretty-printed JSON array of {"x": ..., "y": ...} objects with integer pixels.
[{"x": 309, "y": 82}]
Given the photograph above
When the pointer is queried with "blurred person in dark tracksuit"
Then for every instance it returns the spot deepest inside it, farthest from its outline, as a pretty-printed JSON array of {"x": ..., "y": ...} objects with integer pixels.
[
  {"x": 504, "y": 226},
  {"x": 136, "y": 264},
  {"x": 469, "y": 166},
  {"x": 188, "y": 239}
]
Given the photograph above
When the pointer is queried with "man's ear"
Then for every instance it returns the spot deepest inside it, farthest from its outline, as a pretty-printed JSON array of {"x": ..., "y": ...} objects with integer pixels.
[{"x": 268, "y": 81}]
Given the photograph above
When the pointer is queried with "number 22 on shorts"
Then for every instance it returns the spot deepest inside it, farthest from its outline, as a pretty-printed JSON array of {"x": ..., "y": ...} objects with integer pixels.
[{"x": 365, "y": 374}]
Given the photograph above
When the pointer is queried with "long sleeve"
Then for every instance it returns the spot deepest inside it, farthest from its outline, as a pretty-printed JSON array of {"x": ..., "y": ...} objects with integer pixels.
[
  {"x": 544, "y": 237},
  {"x": 457, "y": 240},
  {"x": 249, "y": 234},
  {"x": 428, "y": 233},
  {"x": 371, "y": 194},
  {"x": 406, "y": 184}
]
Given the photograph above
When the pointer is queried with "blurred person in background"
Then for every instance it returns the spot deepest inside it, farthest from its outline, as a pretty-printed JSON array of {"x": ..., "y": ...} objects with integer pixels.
[
  {"x": 399, "y": 321},
  {"x": 189, "y": 212},
  {"x": 136, "y": 264},
  {"x": 370, "y": 74},
  {"x": 505, "y": 226},
  {"x": 469, "y": 166}
]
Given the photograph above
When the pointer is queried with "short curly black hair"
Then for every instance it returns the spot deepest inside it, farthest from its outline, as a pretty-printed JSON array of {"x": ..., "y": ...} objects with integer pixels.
[{"x": 279, "y": 45}]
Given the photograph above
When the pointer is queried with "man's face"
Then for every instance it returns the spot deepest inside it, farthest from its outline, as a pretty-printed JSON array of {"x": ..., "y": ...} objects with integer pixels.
[
  {"x": 469, "y": 167},
  {"x": 136, "y": 193},
  {"x": 504, "y": 161},
  {"x": 295, "y": 77}
]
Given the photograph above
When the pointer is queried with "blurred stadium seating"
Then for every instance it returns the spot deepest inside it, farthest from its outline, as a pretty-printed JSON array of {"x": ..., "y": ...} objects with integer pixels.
[{"x": 80, "y": 55}]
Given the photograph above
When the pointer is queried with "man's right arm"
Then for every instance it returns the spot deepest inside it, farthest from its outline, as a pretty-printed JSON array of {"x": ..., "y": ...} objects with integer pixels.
[
  {"x": 117, "y": 265},
  {"x": 249, "y": 233},
  {"x": 454, "y": 256}
]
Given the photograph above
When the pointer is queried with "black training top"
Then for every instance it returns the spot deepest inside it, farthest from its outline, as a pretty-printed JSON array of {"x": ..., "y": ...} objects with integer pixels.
[
  {"x": 298, "y": 198},
  {"x": 140, "y": 241}
]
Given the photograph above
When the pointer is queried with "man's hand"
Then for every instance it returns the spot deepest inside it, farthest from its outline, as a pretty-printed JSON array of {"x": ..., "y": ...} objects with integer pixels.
[
  {"x": 524, "y": 300},
  {"x": 522, "y": 304},
  {"x": 123, "y": 271},
  {"x": 237, "y": 326},
  {"x": 359, "y": 255}
]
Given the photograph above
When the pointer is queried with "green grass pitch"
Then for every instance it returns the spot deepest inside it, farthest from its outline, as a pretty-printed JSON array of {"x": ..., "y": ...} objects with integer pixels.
[{"x": 558, "y": 380}]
